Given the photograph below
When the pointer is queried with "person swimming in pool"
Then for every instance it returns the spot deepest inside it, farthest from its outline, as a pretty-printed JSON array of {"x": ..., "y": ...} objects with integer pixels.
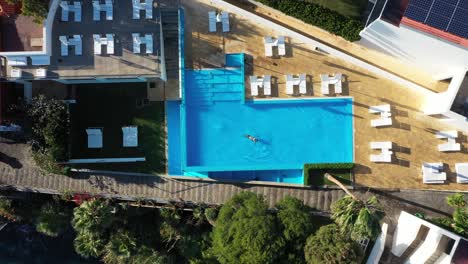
[{"x": 252, "y": 138}]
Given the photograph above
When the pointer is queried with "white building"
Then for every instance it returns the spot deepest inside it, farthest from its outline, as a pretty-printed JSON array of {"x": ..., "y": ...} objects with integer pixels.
[{"x": 433, "y": 36}]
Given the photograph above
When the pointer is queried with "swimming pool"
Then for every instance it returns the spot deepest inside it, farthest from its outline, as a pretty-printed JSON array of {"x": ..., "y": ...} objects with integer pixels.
[
  {"x": 290, "y": 133},
  {"x": 208, "y": 130}
]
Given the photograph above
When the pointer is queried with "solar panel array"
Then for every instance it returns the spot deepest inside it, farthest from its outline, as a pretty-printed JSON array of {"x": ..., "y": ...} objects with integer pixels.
[{"x": 447, "y": 15}]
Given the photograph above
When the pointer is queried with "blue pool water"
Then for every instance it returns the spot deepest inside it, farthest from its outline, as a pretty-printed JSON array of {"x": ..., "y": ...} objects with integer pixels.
[{"x": 207, "y": 131}]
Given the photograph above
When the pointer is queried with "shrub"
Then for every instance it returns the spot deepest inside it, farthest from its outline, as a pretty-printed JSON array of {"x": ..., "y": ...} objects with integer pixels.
[
  {"x": 308, "y": 167},
  {"x": 53, "y": 220},
  {"x": 37, "y": 9},
  {"x": 319, "y": 16},
  {"x": 329, "y": 245}
]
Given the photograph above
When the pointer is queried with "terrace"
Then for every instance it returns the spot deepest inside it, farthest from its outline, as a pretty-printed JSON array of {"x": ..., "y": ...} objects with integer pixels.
[
  {"x": 122, "y": 63},
  {"x": 110, "y": 107},
  {"x": 412, "y": 132}
]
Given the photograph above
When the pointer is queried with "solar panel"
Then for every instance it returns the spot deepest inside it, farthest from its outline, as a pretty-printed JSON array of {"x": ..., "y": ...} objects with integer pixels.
[
  {"x": 447, "y": 15},
  {"x": 442, "y": 8}
]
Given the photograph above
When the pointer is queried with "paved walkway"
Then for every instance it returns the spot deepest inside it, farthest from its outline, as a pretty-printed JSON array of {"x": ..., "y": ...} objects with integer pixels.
[{"x": 165, "y": 189}]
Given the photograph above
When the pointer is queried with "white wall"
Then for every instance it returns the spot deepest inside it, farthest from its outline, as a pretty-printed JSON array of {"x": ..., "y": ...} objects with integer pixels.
[{"x": 435, "y": 55}]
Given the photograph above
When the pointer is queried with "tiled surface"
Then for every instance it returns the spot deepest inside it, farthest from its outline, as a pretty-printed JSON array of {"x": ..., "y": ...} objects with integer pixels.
[{"x": 412, "y": 132}]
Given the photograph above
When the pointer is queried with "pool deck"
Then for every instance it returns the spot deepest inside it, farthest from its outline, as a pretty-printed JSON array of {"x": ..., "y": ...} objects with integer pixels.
[{"x": 413, "y": 133}]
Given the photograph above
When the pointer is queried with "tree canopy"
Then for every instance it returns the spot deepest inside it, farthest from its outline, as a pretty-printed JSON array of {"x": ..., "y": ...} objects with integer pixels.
[
  {"x": 52, "y": 220},
  {"x": 330, "y": 246},
  {"x": 245, "y": 232},
  {"x": 358, "y": 219},
  {"x": 93, "y": 216},
  {"x": 296, "y": 223},
  {"x": 37, "y": 9}
]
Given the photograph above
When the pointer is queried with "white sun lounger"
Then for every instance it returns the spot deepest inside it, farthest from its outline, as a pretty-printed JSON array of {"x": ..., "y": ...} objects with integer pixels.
[
  {"x": 337, "y": 82},
  {"x": 253, "y": 86},
  {"x": 136, "y": 43},
  {"x": 289, "y": 84},
  {"x": 94, "y": 137},
  {"x": 431, "y": 173},
  {"x": 108, "y": 8},
  {"x": 462, "y": 172},
  {"x": 110, "y": 43},
  {"x": 325, "y": 87},
  {"x": 149, "y": 43},
  {"x": 281, "y": 46},
  {"x": 379, "y": 109},
  {"x": 212, "y": 21},
  {"x": 130, "y": 136},
  {"x": 302, "y": 83},
  {"x": 225, "y": 21},
  {"x": 97, "y": 44},
  {"x": 96, "y": 10},
  {"x": 451, "y": 146},
  {"x": 63, "y": 45},
  {"x": 78, "y": 43},
  {"x": 447, "y": 134},
  {"x": 267, "y": 85},
  {"x": 268, "y": 41},
  {"x": 381, "y": 145},
  {"x": 387, "y": 121},
  {"x": 77, "y": 11},
  {"x": 65, "y": 10}
]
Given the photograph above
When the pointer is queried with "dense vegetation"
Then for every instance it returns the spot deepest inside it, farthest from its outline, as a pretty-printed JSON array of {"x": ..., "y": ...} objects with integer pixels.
[
  {"x": 49, "y": 139},
  {"x": 243, "y": 230},
  {"x": 319, "y": 16},
  {"x": 459, "y": 220},
  {"x": 37, "y": 9},
  {"x": 314, "y": 173}
]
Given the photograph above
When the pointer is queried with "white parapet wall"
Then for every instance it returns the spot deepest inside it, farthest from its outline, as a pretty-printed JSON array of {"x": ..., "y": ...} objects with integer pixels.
[
  {"x": 379, "y": 246},
  {"x": 105, "y": 160}
]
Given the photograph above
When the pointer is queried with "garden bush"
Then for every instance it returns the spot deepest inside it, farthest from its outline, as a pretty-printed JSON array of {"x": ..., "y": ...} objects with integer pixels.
[
  {"x": 308, "y": 167},
  {"x": 319, "y": 16}
]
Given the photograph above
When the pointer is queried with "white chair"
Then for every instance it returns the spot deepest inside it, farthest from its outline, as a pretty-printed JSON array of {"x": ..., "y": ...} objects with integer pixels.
[
  {"x": 462, "y": 172},
  {"x": 130, "y": 136},
  {"x": 281, "y": 46},
  {"x": 325, "y": 87},
  {"x": 98, "y": 8},
  {"x": 268, "y": 41},
  {"x": 381, "y": 122},
  {"x": 432, "y": 173},
  {"x": 16, "y": 73},
  {"x": 94, "y": 137},
  {"x": 212, "y": 21},
  {"x": 253, "y": 86},
  {"x": 379, "y": 109},
  {"x": 225, "y": 21},
  {"x": 267, "y": 85},
  {"x": 65, "y": 10}
]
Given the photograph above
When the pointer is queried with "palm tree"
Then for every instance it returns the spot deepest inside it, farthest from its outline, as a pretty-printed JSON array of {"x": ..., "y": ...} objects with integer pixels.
[
  {"x": 359, "y": 219},
  {"x": 94, "y": 216},
  {"x": 121, "y": 247},
  {"x": 88, "y": 244},
  {"x": 52, "y": 220}
]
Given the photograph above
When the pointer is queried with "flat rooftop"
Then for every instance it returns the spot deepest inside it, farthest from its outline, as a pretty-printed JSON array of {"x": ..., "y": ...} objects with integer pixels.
[
  {"x": 412, "y": 133},
  {"x": 123, "y": 63}
]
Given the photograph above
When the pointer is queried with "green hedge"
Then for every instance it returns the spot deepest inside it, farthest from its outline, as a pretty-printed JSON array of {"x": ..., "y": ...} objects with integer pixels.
[
  {"x": 319, "y": 16},
  {"x": 324, "y": 166}
]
